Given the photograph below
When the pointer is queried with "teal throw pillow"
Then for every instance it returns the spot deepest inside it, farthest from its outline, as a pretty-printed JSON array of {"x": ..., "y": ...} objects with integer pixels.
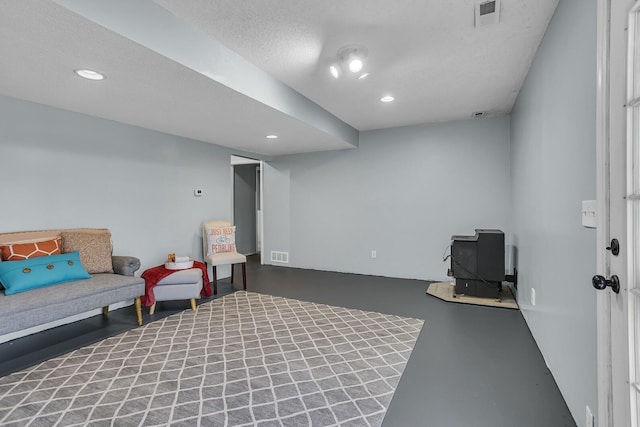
[{"x": 33, "y": 273}]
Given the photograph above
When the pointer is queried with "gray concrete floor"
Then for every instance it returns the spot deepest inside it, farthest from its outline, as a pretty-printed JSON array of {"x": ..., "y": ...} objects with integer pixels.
[{"x": 471, "y": 366}]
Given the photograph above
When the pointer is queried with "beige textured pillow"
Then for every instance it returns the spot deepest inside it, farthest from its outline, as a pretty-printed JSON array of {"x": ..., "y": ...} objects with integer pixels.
[{"x": 94, "y": 246}]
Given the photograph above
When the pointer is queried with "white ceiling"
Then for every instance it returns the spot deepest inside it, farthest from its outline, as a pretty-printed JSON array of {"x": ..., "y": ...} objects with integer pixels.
[{"x": 426, "y": 53}]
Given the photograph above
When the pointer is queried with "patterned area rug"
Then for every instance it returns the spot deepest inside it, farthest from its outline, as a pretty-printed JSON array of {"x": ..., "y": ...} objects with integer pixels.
[{"x": 243, "y": 360}]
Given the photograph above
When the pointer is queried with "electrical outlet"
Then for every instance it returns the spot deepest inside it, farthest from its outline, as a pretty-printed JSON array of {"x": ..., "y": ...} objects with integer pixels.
[
  {"x": 589, "y": 415},
  {"x": 533, "y": 296},
  {"x": 374, "y": 254}
]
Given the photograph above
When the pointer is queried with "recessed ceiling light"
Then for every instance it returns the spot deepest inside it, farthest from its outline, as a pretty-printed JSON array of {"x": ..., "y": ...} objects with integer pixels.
[
  {"x": 89, "y": 74},
  {"x": 387, "y": 98},
  {"x": 271, "y": 136},
  {"x": 362, "y": 76}
]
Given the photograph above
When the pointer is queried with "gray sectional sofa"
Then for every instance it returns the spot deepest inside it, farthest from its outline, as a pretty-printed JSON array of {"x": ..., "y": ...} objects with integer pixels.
[{"x": 35, "y": 307}]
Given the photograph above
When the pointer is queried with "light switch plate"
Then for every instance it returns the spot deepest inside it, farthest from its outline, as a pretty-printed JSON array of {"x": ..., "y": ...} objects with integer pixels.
[{"x": 589, "y": 213}]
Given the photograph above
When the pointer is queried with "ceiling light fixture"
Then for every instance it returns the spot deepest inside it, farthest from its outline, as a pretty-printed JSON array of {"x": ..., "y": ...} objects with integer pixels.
[
  {"x": 387, "y": 98},
  {"x": 350, "y": 58},
  {"x": 335, "y": 70},
  {"x": 271, "y": 136},
  {"x": 355, "y": 63},
  {"x": 363, "y": 76},
  {"x": 89, "y": 74}
]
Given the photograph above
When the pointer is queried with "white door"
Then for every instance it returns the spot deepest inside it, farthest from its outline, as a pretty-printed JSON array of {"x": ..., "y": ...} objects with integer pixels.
[
  {"x": 259, "y": 210},
  {"x": 631, "y": 207},
  {"x": 618, "y": 141}
]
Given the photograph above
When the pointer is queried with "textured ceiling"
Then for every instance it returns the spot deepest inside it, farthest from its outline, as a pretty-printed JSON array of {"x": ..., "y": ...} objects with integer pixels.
[{"x": 427, "y": 53}]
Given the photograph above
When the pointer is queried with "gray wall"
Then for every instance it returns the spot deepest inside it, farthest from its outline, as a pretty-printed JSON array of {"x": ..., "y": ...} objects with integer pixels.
[
  {"x": 65, "y": 170},
  {"x": 553, "y": 170},
  {"x": 244, "y": 207},
  {"x": 402, "y": 193},
  {"x": 276, "y": 217}
]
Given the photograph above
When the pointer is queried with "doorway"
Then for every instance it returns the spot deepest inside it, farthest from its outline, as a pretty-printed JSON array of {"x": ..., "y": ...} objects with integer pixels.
[{"x": 246, "y": 204}]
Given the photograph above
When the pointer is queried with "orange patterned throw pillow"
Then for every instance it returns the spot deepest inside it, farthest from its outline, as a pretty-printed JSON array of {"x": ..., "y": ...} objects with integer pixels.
[{"x": 26, "y": 250}]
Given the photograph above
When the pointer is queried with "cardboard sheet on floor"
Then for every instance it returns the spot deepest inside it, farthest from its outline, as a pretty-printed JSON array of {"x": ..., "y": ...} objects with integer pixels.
[{"x": 445, "y": 292}]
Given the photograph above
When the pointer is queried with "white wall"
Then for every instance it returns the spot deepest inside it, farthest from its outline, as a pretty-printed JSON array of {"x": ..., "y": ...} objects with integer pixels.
[
  {"x": 65, "y": 170},
  {"x": 553, "y": 170},
  {"x": 402, "y": 193}
]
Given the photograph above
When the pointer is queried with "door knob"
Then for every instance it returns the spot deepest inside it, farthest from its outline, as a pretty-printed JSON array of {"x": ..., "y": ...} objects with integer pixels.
[{"x": 599, "y": 282}]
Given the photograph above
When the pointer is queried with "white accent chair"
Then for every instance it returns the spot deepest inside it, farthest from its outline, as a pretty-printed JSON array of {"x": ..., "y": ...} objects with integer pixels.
[{"x": 222, "y": 258}]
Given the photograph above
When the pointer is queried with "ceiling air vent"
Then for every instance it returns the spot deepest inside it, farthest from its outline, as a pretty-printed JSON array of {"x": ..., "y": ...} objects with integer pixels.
[{"x": 487, "y": 13}]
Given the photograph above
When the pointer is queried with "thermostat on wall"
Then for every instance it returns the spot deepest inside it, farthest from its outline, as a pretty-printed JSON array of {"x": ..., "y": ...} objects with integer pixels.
[{"x": 198, "y": 192}]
